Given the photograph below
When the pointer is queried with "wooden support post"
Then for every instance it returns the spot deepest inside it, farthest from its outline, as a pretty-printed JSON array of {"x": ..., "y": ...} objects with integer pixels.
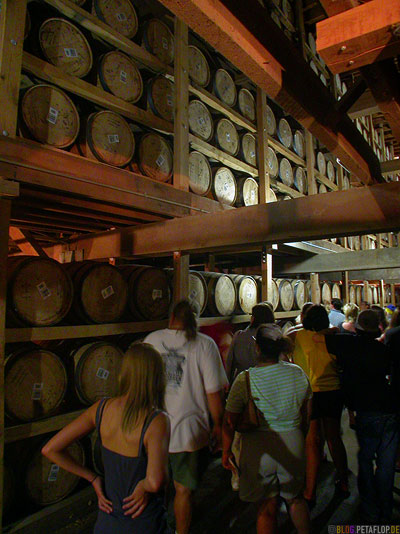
[
  {"x": 181, "y": 120},
  {"x": 310, "y": 160},
  {"x": 210, "y": 265},
  {"x": 367, "y": 292},
  {"x": 266, "y": 275},
  {"x": 181, "y": 276},
  {"x": 378, "y": 241},
  {"x": 340, "y": 177},
  {"x": 262, "y": 146},
  {"x": 315, "y": 290},
  {"x": 346, "y": 288},
  {"x": 26, "y": 242},
  {"x": 382, "y": 293},
  {"x": 5, "y": 208},
  {"x": 12, "y": 27},
  {"x": 393, "y": 294},
  {"x": 301, "y": 27}
]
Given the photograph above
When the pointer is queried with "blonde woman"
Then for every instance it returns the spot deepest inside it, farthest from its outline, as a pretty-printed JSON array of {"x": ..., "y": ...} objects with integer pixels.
[
  {"x": 134, "y": 433},
  {"x": 351, "y": 312}
]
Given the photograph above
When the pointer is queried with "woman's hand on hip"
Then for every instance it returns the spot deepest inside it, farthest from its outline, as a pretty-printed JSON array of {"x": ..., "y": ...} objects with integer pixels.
[
  {"x": 105, "y": 505},
  {"x": 228, "y": 460},
  {"x": 135, "y": 504}
]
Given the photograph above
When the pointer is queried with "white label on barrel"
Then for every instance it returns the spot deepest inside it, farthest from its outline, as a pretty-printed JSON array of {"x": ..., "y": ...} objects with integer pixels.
[
  {"x": 157, "y": 294},
  {"x": 160, "y": 160},
  {"x": 37, "y": 391},
  {"x": 44, "y": 291},
  {"x": 123, "y": 76},
  {"x": 249, "y": 295},
  {"x": 121, "y": 17},
  {"x": 102, "y": 373},
  {"x": 107, "y": 292},
  {"x": 165, "y": 43},
  {"x": 170, "y": 100},
  {"x": 201, "y": 121},
  {"x": 70, "y": 52},
  {"x": 252, "y": 194},
  {"x": 54, "y": 469},
  {"x": 225, "y": 187},
  {"x": 228, "y": 137},
  {"x": 113, "y": 138},
  {"x": 52, "y": 115},
  {"x": 252, "y": 154}
]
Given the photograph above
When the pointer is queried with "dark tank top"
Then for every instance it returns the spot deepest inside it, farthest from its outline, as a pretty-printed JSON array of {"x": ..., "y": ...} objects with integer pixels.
[{"x": 121, "y": 475}]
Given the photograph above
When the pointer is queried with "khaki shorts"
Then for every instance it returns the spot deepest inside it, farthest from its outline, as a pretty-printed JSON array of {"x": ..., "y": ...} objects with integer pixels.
[{"x": 271, "y": 464}]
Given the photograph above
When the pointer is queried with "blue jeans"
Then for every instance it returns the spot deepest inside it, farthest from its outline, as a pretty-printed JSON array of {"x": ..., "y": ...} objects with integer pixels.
[{"x": 378, "y": 438}]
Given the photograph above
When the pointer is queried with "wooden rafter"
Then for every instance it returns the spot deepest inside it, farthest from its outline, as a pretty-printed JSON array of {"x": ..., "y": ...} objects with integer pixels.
[
  {"x": 246, "y": 35},
  {"x": 360, "y": 36},
  {"x": 333, "y": 7},
  {"x": 24, "y": 240},
  {"x": 360, "y": 210}
]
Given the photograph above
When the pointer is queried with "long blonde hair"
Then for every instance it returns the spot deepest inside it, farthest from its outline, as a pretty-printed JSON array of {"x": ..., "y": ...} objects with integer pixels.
[{"x": 142, "y": 380}]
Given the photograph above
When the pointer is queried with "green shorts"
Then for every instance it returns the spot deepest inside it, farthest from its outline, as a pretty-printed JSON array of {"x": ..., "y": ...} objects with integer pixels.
[{"x": 188, "y": 467}]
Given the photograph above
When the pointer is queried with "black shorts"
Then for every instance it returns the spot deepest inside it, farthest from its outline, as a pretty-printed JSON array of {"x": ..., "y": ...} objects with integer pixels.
[{"x": 327, "y": 404}]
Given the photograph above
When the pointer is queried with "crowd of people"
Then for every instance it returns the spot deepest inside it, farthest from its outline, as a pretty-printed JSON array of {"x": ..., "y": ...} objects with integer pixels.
[{"x": 280, "y": 398}]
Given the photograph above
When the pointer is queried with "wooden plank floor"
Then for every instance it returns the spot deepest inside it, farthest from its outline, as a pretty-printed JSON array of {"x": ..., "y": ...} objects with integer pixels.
[{"x": 219, "y": 510}]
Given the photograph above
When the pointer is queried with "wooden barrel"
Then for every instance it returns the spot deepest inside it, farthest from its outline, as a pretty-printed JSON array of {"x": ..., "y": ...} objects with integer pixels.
[
  {"x": 350, "y": 242},
  {"x": 357, "y": 242},
  {"x": 160, "y": 95},
  {"x": 270, "y": 120},
  {"x": 346, "y": 183},
  {"x": 286, "y": 172},
  {"x": 375, "y": 295},
  {"x": 336, "y": 293},
  {"x": 300, "y": 180},
  {"x": 322, "y": 189},
  {"x": 288, "y": 10},
  {"x": 323, "y": 79},
  {"x": 317, "y": 300},
  {"x": 359, "y": 295},
  {"x": 285, "y": 133},
  {"x": 272, "y": 163},
  {"x": 155, "y": 157},
  {"x": 286, "y": 294},
  {"x": 321, "y": 163},
  {"x": 311, "y": 43},
  {"x": 352, "y": 295},
  {"x": 286, "y": 325},
  {"x": 101, "y": 292},
  {"x": 35, "y": 383},
  {"x": 276, "y": 17},
  {"x": 65, "y": 46},
  {"x": 200, "y": 175},
  {"x": 119, "y": 14},
  {"x": 108, "y": 138},
  {"x": 199, "y": 70},
  {"x": 224, "y": 87},
  {"x": 299, "y": 289},
  {"x": 274, "y": 297},
  {"x": 39, "y": 291},
  {"x": 299, "y": 144},
  {"x": 272, "y": 196},
  {"x": 200, "y": 120},
  {"x": 119, "y": 75},
  {"x": 227, "y": 137},
  {"x": 330, "y": 171},
  {"x": 159, "y": 40},
  {"x": 221, "y": 294},
  {"x": 314, "y": 67},
  {"x": 246, "y": 289},
  {"x": 367, "y": 295},
  {"x": 149, "y": 293},
  {"x": 198, "y": 292},
  {"x": 248, "y": 149},
  {"x": 46, "y": 483},
  {"x": 326, "y": 294},
  {"x": 247, "y": 191},
  {"x": 96, "y": 369},
  {"x": 224, "y": 186},
  {"x": 50, "y": 115},
  {"x": 247, "y": 105}
]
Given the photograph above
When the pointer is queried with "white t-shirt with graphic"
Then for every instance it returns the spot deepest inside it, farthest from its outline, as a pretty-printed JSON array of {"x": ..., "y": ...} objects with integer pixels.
[{"x": 193, "y": 369}]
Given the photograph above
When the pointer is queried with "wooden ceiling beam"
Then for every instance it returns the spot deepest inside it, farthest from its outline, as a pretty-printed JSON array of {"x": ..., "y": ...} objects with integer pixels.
[
  {"x": 360, "y": 36},
  {"x": 352, "y": 95},
  {"x": 333, "y": 7},
  {"x": 24, "y": 240},
  {"x": 384, "y": 81},
  {"x": 357, "y": 211},
  {"x": 245, "y": 34}
]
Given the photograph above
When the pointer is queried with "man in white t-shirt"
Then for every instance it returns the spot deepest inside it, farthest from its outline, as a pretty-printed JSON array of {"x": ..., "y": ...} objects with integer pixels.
[{"x": 195, "y": 383}]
